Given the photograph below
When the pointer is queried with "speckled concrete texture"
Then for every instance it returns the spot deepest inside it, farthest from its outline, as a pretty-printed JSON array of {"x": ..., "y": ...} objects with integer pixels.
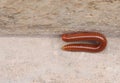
[
  {"x": 40, "y": 60},
  {"x": 30, "y": 43},
  {"x": 59, "y": 16}
]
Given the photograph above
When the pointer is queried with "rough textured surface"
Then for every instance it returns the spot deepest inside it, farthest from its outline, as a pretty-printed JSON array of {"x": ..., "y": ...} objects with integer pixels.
[
  {"x": 58, "y": 16},
  {"x": 40, "y": 60}
]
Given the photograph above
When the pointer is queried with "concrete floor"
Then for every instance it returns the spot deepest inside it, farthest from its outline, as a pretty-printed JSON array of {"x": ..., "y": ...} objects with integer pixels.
[{"x": 40, "y": 60}]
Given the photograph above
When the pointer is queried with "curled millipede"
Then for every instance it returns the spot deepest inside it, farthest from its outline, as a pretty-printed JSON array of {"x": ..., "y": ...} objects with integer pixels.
[{"x": 99, "y": 40}]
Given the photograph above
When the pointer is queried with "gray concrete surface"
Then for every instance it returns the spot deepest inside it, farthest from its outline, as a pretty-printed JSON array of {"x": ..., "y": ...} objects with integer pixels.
[
  {"x": 59, "y": 16},
  {"x": 40, "y": 60},
  {"x": 31, "y": 58}
]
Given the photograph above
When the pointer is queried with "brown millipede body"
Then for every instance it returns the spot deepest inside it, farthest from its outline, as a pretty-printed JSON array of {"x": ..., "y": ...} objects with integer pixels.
[{"x": 99, "y": 38}]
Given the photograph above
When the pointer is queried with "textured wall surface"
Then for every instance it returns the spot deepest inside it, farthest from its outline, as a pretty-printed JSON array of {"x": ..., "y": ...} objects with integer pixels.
[{"x": 58, "y": 16}]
